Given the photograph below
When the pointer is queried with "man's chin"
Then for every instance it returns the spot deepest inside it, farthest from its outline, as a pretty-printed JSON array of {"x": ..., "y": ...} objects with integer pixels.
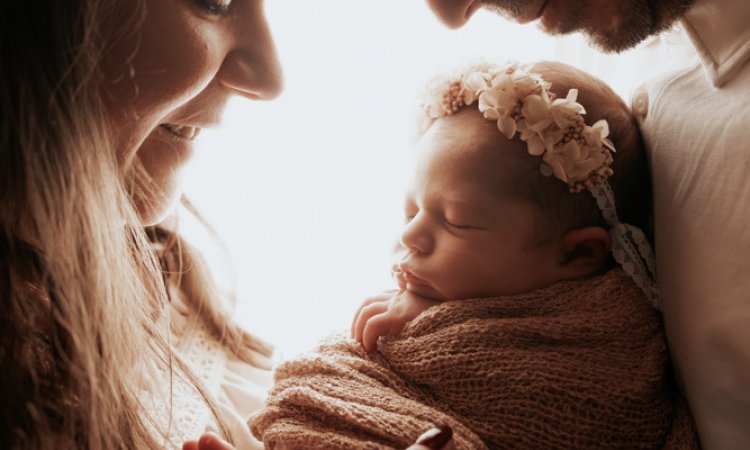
[
  {"x": 638, "y": 25},
  {"x": 608, "y": 44}
]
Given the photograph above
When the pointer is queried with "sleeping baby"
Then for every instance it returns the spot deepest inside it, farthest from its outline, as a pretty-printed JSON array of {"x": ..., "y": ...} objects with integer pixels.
[{"x": 527, "y": 310}]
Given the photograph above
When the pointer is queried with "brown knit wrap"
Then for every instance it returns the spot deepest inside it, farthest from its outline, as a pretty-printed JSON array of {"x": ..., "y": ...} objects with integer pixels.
[{"x": 581, "y": 364}]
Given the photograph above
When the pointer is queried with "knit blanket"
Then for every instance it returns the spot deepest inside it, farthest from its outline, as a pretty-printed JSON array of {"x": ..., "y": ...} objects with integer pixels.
[{"x": 580, "y": 364}]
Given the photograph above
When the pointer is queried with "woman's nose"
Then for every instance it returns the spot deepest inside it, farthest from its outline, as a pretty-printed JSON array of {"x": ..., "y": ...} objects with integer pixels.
[
  {"x": 454, "y": 13},
  {"x": 417, "y": 237},
  {"x": 251, "y": 68}
]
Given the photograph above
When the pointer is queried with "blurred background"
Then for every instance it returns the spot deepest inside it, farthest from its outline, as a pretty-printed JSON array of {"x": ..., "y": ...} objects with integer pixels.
[{"x": 306, "y": 191}]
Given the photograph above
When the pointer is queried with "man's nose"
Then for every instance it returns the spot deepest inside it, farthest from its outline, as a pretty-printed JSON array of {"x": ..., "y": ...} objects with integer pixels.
[{"x": 454, "y": 13}]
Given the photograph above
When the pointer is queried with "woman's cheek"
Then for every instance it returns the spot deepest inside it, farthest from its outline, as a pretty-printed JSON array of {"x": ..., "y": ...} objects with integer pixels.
[{"x": 156, "y": 175}]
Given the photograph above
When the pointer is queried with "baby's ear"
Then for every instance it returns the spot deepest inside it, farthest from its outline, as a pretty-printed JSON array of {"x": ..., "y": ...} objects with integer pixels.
[{"x": 584, "y": 251}]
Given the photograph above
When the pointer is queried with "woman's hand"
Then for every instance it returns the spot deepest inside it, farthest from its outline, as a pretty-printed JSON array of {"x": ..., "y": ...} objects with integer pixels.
[
  {"x": 209, "y": 441},
  {"x": 437, "y": 438},
  {"x": 433, "y": 439}
]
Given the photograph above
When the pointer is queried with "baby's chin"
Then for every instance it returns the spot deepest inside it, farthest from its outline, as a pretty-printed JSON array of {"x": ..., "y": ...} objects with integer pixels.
[{"x": 427, "y": 292}]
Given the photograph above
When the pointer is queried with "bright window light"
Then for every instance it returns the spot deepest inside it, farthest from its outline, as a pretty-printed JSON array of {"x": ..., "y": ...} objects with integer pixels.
[{"x": 306, "y": 191}]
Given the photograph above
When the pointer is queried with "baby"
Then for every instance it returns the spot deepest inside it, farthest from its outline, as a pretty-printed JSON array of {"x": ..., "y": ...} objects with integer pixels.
[{"x": 525, "y": 315}]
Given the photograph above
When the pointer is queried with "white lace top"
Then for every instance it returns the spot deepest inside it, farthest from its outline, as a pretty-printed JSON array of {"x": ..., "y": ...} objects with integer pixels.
[{"x": 239, "y": 388}]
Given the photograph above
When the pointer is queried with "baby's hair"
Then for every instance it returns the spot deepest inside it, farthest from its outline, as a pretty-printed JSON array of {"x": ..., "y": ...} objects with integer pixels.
[
  {"x": 563, "y": 210},
  {"x": 630, "y": 181}
]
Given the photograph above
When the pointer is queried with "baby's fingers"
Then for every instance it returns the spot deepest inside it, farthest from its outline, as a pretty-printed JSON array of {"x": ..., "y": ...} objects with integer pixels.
[
  {"x": 377, "y": 326},
  {"x": 366, "y": 315},
  {"x": 385, "y": 296}
]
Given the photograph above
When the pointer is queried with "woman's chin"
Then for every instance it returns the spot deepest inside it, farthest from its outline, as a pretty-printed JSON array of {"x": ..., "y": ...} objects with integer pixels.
[{"x": 158, "y": 207}]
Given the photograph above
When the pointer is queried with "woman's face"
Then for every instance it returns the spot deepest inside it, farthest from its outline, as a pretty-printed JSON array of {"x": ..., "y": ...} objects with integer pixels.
[{"x": 172, "y": 76}]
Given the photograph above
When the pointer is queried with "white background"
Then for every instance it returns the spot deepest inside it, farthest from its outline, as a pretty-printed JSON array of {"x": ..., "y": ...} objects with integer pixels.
[{"x": 306, "y": 191}]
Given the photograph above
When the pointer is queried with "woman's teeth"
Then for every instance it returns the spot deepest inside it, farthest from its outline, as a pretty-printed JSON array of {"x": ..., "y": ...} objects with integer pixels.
[{"x": 184, "y": 132}]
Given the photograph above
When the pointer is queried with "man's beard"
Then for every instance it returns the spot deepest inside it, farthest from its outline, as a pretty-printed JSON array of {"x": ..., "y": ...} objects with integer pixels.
[
  {"x": 640, "y": 19},
  {"x": 635, "y": 19}
]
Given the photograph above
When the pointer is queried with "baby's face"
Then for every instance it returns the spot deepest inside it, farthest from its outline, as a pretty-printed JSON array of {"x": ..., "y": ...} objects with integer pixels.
[{"x": 466, "y": 234}]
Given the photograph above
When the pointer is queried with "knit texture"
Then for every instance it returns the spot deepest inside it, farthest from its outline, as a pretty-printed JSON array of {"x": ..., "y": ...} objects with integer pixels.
[{"x": 580, "y": 364}]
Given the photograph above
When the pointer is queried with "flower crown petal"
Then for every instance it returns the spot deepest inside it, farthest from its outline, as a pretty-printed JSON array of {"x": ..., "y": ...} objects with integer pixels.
[
  {"x": 520, "y": 102},
  {"x": 507, "y": 126},
  {"x": 537, "y": 146},
  {"x": 491, "y": 114}
]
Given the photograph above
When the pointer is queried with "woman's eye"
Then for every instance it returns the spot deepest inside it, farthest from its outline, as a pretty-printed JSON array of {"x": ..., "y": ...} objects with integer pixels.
[{"x": 215, "y": 7}]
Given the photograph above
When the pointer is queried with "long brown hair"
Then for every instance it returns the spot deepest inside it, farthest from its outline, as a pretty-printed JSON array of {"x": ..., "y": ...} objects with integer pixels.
[{"x": 83, "y": 290}]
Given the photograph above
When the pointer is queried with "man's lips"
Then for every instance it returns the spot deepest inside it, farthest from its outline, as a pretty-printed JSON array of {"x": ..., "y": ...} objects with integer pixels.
[{"x": 533, "y": 12}]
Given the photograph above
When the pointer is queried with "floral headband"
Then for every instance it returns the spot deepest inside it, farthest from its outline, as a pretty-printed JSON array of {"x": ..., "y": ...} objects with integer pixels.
[
  {"x": 578, "y": 154},
  {"x": 553, "y": 128}
]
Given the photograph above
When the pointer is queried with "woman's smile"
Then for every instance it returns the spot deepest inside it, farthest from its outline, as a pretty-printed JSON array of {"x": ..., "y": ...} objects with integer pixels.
[
  {"x": 182, "y": 132},
  {"x": 172, "y": 78}
]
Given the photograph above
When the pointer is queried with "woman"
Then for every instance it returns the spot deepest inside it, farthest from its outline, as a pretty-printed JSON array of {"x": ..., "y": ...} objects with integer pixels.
[{"x": 100, "y": 102}]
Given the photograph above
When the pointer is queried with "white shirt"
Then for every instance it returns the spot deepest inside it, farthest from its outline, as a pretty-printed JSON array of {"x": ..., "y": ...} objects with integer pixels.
[
  {"x": 696, "y": 123},
  {"x": 239, "y": 388}
]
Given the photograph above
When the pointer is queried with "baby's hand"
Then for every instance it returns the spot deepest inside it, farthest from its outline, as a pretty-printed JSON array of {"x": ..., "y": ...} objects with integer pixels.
[
  {"x": 386, "y": 314},
  {"x": 209, "y": 441}
]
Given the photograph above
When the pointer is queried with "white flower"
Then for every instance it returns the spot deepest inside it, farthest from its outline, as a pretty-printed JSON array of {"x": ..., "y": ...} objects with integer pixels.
[
  {"x": 498, "y": 99},
  {"x": 472, "y": 85},
  {"x": 596, "y": 135},
  {"x": 573, "y": 162},
  {"x": 566, "y": 110},
  {"x": 433, "y": 97},
  {"x": 504, "y": 92},
  {"x": 537, "y": 118},
  {"x": 519, "y": 102}
]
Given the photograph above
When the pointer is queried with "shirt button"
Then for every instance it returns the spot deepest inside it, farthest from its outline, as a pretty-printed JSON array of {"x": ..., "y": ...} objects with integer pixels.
[{"x": 639, "y": 104}]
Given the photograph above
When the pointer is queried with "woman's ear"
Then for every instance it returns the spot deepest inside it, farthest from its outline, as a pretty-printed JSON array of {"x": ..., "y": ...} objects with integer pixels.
[{"x": 584, "y": 251}]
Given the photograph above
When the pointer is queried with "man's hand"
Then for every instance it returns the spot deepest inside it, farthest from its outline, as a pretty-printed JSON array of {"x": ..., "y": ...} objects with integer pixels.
[{"x": 386, "y": 314}]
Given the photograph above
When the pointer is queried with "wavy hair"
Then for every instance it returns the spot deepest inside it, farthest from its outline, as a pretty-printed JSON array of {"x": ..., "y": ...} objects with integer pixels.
[{"x": 84, "y": 288}]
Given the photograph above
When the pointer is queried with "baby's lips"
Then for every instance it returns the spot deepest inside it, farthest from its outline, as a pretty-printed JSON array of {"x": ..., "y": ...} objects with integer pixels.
[{"x": 398, "y": 276}]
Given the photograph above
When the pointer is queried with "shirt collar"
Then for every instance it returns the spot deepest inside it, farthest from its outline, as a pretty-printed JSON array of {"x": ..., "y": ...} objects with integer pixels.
[{"x": 720, "y": 33}]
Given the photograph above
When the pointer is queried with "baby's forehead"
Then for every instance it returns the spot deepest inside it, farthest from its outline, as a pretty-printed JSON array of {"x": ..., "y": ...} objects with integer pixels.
[
  {"x": 467, "y": 152},
  {"x": 467, "y": 142}
]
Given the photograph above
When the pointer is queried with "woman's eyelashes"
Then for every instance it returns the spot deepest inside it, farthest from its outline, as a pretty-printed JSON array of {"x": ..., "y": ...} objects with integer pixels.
[{"x": 215, "y": 7}]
